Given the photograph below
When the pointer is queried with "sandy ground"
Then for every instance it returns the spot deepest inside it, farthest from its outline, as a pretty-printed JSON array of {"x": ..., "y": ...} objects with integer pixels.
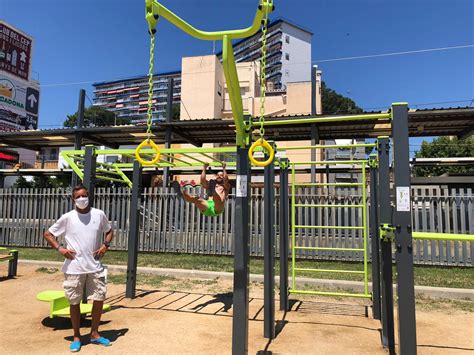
[{"x": 185, "y": 316}]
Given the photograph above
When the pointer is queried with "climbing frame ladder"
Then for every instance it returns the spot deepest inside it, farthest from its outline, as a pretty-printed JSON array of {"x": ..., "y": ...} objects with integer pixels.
[{"x": 295, "y": 248}]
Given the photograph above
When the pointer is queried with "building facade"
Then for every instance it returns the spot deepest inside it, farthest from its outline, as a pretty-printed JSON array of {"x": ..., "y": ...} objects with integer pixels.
[
  {"x": 288, "y": 61},
  {"x": 128, "y": 98},
  {"x": 288, "y": 53}
]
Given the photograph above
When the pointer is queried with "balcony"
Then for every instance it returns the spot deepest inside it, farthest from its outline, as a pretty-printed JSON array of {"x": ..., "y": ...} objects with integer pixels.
[{"x": 50, "y": 164}]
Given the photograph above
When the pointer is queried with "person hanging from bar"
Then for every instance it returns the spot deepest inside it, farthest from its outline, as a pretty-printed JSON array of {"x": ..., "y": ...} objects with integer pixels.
[{"x": 218, "y": 191}]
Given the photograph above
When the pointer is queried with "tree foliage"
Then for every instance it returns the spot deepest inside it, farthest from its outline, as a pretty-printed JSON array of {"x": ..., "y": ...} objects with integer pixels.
[
  {"x": 336, "y": 104},
  {"x": 445, "y": 147},
  {"x": 42, "y": 182},
  {"x": 96, "y": 116}
]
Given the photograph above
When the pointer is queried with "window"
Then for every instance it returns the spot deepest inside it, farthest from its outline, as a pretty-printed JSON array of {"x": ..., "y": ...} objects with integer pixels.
[
  {"x": 287, "y": 39},
  {"x": 287, "y": 56}
]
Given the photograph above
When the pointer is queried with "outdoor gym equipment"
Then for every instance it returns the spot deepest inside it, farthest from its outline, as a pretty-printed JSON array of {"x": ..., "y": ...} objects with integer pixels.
[
  {"x": 302, "y": 207},
  {"x": 59, "y": 305},
  {"x": 400, "y": 217},
  {"x": 153, "y": 11},
  {"x": 12, "y": 258},
  {"x": 261, "y": 142}
]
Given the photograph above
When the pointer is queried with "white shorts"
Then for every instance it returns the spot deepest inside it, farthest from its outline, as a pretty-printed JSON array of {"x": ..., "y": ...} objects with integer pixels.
[{"x": 94, "y": 285}]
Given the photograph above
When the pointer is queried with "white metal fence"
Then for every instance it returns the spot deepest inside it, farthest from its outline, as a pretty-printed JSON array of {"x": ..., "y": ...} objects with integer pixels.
[{"x": 168, "y": 224}]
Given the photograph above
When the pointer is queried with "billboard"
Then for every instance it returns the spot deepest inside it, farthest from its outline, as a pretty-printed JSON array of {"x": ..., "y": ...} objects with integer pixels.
[
  {"x": 19, "y": 103},
  {"x": 9, "y": 156},
  {"x": 15, "y": 52}
]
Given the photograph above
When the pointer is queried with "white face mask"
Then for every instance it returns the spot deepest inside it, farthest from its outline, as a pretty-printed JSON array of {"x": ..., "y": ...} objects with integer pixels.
[{"x": 82, "y": 202}]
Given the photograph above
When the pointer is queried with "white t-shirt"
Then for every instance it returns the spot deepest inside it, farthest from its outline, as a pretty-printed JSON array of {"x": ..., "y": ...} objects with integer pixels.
[{"x": 84, "y": 233}]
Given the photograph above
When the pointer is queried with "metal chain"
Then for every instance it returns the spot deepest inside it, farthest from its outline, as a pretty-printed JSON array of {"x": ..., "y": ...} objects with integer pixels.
[
  {"x": 263, "y": 77},
  {"x": 150, "y": 86}
]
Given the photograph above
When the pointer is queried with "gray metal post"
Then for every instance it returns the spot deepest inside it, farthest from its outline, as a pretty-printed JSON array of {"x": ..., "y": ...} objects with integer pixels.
[
  {"x": 403, "y": 230},
  {"x": 2, "y": 177},
  {"x": 89, "y": 181},
  {"x": 13, "y": 264},
  {"x": 375, "y": 238},
  {"x": 168, "y": 133},
  {"x": 284, "y": 223},
  {"x": 269, "y": 252},
  {"x": 388, "y": 333},
  {"x": 134, "y": 231},
  {"x": 89, "y": 172},
  {"x": 240, "y": 325},
  {"x": 314, "y": 128},
  {"x": 78, "y": 132}
]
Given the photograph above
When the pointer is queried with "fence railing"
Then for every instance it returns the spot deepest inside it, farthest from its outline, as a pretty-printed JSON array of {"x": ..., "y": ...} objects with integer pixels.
[{"x": 168, "y": 224}]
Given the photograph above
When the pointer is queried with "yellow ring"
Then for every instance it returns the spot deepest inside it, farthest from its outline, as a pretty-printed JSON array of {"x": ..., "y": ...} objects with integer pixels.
[
  {"x": 144, "y": 144},
  {"x": 266, "y": 146}
]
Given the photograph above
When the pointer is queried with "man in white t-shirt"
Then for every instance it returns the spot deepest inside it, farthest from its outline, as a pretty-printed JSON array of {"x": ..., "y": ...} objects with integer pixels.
[{"x": 83, "y": 229}]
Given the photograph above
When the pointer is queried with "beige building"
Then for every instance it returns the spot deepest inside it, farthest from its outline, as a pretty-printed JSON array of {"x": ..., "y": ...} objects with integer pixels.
[{"x": 204, "y": 95}]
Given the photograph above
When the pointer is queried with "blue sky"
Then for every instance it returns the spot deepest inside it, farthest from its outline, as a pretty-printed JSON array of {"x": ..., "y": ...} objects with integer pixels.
[{"x": 80, "y": 42}]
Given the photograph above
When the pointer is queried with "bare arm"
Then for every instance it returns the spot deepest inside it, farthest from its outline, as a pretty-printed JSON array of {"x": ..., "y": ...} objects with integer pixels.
[
  {"x": 51, "y": 239},
  {"x": 109, "y": 236},
  {"x": 99, "y": 253},
  {"x": 204, "y": 182},
  {"x": 226, "y": 177}
]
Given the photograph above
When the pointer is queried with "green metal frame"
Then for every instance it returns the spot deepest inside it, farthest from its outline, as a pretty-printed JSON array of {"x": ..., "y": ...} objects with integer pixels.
[
  {"x": 182, "y": 158},
  {"x": 295, "y": 226},
  {"x": 375, "y": 116},
  {"x": 113, "y": 171},
  {"x": 154, "y": 10},
  {"x": 443, "y": 236}
]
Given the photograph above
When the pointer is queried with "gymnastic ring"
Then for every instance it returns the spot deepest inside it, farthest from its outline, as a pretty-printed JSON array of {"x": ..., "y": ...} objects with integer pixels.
[
  {"x": 267, "y": 147},
  {"x": 144, "y": 144}
]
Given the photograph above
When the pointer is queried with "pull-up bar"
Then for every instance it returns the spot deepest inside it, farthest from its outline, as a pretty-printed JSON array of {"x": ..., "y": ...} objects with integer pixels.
[
  {"x": 295, "y": 121},
  {"x": 154, "y": 10}
]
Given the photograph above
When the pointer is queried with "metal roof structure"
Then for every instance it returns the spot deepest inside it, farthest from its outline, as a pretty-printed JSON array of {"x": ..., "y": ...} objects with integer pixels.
[{"x": 422, "y": 123}]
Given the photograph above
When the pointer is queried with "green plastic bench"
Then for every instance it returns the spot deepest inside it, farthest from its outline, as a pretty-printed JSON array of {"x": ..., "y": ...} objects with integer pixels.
[
  {"x": 59, "y": 305},
  {"x": 12, "y": 258}
]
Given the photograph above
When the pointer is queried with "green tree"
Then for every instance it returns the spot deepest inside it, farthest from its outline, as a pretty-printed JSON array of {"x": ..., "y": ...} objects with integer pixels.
[
  {"x": 176, "y": 109},
  {"x": 96, "y": 116},
  {"x": 22, "y": 183},
  {"x": 444, "y": 147},
  {"x": 336, "y": 104}
]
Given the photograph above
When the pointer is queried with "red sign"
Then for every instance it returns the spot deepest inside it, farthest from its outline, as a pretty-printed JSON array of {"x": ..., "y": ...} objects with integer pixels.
[
  {"x": 15, "y": 52},
  {"x": 10, "y": 157}
]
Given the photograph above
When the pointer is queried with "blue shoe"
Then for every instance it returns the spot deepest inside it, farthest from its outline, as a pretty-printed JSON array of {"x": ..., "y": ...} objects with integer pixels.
[
  {"x": 75, "y": 346},
  {"x": 101, "y": 341}
]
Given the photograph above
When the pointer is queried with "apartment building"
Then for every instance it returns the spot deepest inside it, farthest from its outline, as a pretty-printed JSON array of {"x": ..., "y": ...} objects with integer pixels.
[
  {"x": 128, "y": 98},
  {"x": 288, "y": 60},
  {"x": 288, "y": 53}
]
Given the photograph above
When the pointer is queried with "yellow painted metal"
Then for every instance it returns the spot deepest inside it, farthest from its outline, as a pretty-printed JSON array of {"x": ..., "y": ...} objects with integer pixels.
[
  {"x": 270, "y": 152},
  {"x": 142, "y": 146},
  {"x": 443, "y": 236},
  {"x": 363, "y": 166},
  {"x": 364, "y": 223},
  {"x": 329, "y": 227},
  {"x": 331, "y": 270},
  {"x": 330, "y": 249},
  {"x": 154, "y": 10},
  {"x": 329, "y": 206},
  {"x": 299, "y": 121},
  {"x": 335, "y": 294},
  {"x": 293, "y": 228},
  {"x": 330, "y": 146},
  {"x": 323, "y": 184},
  {"x": 331, "y": 162}
]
